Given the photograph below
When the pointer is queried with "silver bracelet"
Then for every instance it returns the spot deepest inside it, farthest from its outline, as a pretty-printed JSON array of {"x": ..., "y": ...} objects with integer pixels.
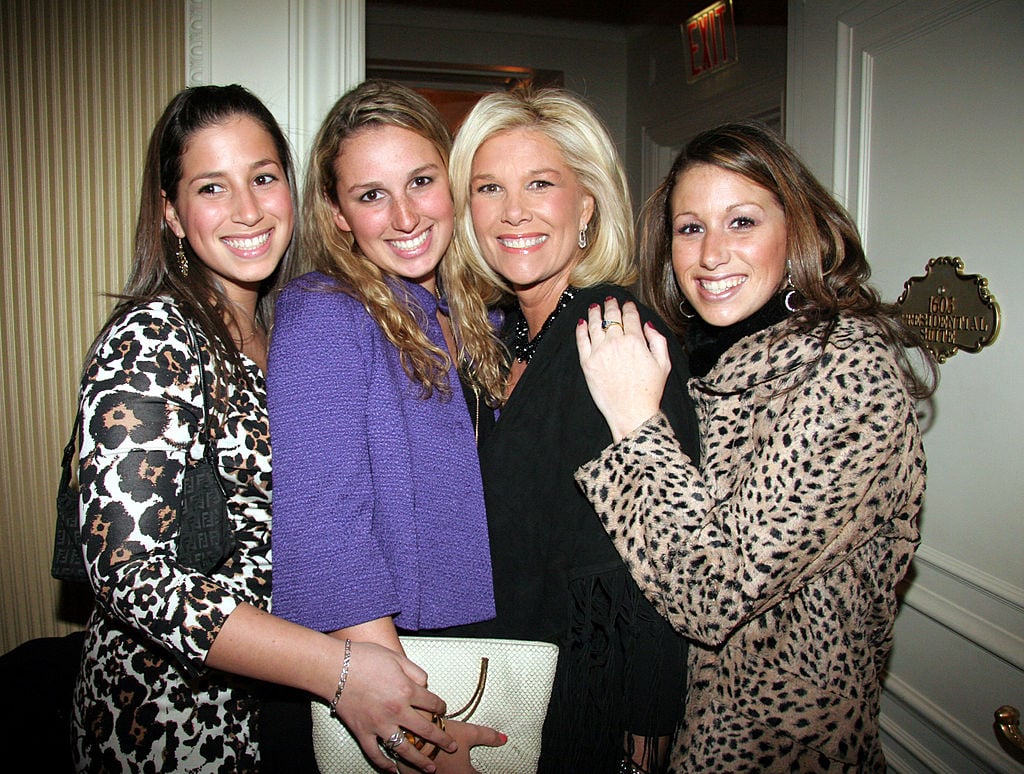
[{"x": 344, "y": 676}]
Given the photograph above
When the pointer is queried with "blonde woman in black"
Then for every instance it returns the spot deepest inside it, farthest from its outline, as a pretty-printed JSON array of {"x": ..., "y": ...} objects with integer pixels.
[{"x": 544, "y": 231}]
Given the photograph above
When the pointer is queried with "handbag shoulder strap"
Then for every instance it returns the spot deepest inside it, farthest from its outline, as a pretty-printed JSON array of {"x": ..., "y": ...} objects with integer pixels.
[
  {"x": 208, "y": 453},
  {"x": 69, "y": 452},
  {"x": 207, "y": 445}
]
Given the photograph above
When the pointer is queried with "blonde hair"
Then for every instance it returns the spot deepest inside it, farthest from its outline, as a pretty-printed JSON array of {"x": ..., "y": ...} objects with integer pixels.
[
  {"x": 334, "y": 252},
  {"x": 588, "y": 150}
]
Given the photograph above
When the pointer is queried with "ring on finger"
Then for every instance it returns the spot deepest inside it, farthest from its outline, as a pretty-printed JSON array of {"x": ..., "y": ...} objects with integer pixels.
[
  {"x": 394, "y": 741},
  {"x": 416, "y": 741},
  {"x": 606, "y": 324}
]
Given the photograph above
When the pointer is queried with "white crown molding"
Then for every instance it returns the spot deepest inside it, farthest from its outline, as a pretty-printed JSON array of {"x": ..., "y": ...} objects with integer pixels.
[
  {"x": 987, "y": 635},
  {"x": 905, "y": 751},
  {"x": 328, "y": 41},
  {"x": 864, "y": 32},
  {"x": 1001, "y": 591},
  {"x": 655, "y": 161}
]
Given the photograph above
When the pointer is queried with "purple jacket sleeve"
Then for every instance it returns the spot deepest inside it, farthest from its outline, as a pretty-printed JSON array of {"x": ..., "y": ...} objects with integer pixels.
[{"x": 329, "y": 569}]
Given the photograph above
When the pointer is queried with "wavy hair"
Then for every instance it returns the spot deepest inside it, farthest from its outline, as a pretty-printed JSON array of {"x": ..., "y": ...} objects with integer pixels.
[
  {"x": 588, "y": 150},
  {"x": 827, "y": 262},
  {"x": 154, "y": 264},
  {"x": 335, "y": 253}
]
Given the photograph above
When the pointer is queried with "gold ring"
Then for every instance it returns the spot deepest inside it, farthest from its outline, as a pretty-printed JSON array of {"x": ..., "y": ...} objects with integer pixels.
[{"x": 416, "y": 741}]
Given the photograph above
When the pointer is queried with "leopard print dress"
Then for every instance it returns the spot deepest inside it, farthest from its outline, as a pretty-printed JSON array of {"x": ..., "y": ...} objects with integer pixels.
[
  {"x": 143, "y": 700},
  {"x": 781, "y": 554}
]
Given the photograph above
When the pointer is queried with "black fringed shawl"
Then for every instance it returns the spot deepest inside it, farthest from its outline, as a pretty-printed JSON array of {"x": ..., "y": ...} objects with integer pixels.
[{"x": 557, "y": 576}]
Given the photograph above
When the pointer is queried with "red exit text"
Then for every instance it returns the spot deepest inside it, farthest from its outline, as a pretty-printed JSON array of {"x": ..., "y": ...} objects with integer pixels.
[{"x": 711, "y": 37}]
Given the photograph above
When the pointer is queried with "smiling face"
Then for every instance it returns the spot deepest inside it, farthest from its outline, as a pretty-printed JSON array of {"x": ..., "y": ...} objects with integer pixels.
[
  {"x": 233, "y": 204},
  {"x": 528, "y": 208},
  {"x": 393, "y": 196},
  {"x": 728, "y": 243}
]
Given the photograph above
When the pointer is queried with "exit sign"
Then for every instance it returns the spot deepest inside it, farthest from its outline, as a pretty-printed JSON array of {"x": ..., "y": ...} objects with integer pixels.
[{"x": 710, "y": 38}]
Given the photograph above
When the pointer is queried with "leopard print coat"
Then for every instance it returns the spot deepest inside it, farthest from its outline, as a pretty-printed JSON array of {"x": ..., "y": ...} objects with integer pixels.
[
  {"x": 144, "y": 700},
  {"x": 781, "y": 554}
]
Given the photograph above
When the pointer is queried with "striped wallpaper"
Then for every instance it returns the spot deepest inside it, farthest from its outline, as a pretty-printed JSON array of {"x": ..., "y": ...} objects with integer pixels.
[{"x": 83, "y": 83}]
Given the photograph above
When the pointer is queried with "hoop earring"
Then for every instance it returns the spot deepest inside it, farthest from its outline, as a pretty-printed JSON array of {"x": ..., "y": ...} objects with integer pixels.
[
  {"x": 582, "y": 241},
  {"x": 689, "y": 315},
  {"x": 182, "y": 259},
  {"x": 788, "y": 300},
  {"x": 792, "y": 295}
]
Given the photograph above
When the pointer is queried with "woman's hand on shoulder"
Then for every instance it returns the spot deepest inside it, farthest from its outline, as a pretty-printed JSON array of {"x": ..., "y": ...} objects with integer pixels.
[{"x": 625, "y": 362}]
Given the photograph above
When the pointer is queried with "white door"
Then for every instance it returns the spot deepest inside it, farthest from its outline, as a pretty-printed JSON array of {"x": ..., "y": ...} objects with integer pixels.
[{"x": 914, "y": 113}]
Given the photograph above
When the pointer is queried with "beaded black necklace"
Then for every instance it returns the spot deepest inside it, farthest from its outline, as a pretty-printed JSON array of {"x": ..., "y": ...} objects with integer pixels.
[{"x": 523, "y": 346}]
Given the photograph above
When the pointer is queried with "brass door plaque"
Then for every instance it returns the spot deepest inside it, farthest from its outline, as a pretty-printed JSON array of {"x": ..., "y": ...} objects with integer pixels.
[{"x": 949, "y": 309}]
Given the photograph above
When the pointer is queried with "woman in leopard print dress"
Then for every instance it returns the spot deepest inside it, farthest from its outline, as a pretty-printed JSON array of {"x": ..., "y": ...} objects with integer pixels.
[
  {"x": 780, "y": 554},
  {"x": 173, "y": 653}
]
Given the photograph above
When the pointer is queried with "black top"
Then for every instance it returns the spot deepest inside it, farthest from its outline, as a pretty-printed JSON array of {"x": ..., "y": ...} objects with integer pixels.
[
  {"x": 706, "y": 343},
  {"x": 557, "y": 576}
]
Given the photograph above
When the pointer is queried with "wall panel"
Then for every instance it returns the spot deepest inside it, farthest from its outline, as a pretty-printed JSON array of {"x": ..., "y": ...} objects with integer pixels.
[
  {"x": 83, "y": 83},
  {"x": 909, "y": 110}
]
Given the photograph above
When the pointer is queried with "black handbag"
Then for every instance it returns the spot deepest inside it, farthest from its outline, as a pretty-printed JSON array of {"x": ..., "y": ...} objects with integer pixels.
[{"x": 205, "y": 536}]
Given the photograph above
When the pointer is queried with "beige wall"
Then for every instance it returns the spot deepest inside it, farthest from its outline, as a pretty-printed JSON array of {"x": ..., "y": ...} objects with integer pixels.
[
  {"x": 665, "y": 111},
  {"x": 83, "y": 83}
]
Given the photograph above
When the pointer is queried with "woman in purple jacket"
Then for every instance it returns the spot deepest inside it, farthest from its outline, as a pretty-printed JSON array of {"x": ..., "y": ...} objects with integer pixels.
[{"x": 379, "y": 522}]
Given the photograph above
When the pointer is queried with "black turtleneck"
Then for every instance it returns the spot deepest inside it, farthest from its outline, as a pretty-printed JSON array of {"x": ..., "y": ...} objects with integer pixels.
[{"x": 706, "y": 343}]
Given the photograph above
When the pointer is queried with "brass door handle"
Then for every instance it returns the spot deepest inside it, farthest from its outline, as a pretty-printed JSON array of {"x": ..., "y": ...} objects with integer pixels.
[{"x": 1008, "y": 720}]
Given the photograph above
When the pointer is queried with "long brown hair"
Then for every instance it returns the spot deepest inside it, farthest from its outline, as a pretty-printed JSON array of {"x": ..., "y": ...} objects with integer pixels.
[
  {"x": 827, "y": 262},
  {"x": 154, "y": 269},
  {"x": 334, "y": 252}
]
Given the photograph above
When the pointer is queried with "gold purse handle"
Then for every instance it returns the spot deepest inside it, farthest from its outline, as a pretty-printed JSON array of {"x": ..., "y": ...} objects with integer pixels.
[
  {"x": 468, "y": 710},
  {"x": 474, "y": 700}
]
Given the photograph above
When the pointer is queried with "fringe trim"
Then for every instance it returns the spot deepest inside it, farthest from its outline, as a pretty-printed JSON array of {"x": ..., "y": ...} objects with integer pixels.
[{"x": 621, "y": 673}]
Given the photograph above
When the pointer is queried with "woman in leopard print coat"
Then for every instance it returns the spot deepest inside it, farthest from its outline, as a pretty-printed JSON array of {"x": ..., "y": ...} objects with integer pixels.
[{"x": 780, "y": 554}]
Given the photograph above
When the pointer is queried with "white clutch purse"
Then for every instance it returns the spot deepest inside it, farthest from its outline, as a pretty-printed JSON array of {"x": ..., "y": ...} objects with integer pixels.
[{"x": 516, "y": 686}]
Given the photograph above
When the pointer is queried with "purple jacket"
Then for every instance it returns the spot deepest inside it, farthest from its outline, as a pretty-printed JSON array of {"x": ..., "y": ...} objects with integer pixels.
[{"x": 378, "y": 506}]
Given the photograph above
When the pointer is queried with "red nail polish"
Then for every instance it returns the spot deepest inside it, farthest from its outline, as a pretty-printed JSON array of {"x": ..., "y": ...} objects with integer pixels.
[
  {"x": 593, "y": 306},
  {"x": 503, "y": 738}
]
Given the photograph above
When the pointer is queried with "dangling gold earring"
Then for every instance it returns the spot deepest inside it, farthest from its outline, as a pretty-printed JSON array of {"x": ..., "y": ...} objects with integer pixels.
[
  {"x": 182, "y": 259},
  {"x": 582, "y": 241}
]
